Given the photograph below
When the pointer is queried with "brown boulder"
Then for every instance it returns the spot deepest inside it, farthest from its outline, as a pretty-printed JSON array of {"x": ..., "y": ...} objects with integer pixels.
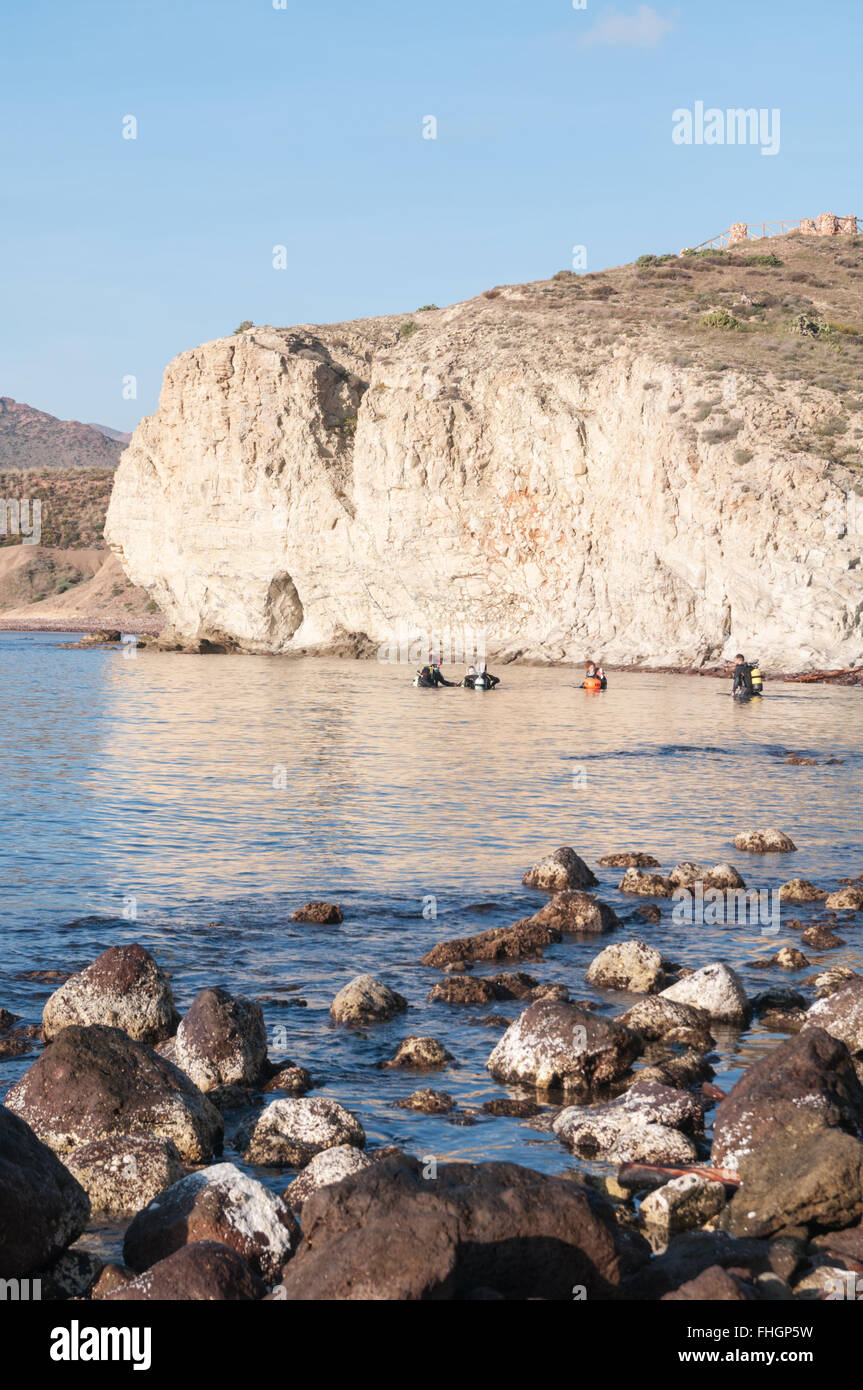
[
  {"x": 218, "y": 1204},
  {"x": 123, "y": 988},
  {"x": 805, "y": 1176},
  {"x": 847, "y": 899},
  {"x": 320, "y": 914},
  {"x": 419, "y": 1053},
  {"x": 800, "y": 890},
  {"x": 811, "y": 1072},
  {"x": 576, "y": 913},
  {"x": 646, "y": 885},
  {"x": 563, "y": 869},
  {"x": 712, "y": 1285},
  {"x": 402, "y": 1231},
  {"x": 462, "y": 989},
  {"x": 525, "y": 938},
  {"x": 204, "y": 1272},
  {"x": 366, "y": 1000},
  {"x": 764, "y": 842},
  {"x": 559, "y": 1047},
  {"x": 97, "y": 1083},
  {"x": 427, "y": 1102},
  {"x": 222, "y": 1041},
  {"x": 43, "y": 1209}
]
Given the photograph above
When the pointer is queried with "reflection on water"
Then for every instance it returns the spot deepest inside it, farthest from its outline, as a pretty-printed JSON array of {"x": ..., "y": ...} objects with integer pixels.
[{"x": 210, "y": 796}]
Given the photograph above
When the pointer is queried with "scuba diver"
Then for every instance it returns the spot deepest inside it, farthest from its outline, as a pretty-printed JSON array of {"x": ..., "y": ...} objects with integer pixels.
[
  {"x": 430, "y": 677},
  {"x": 591, "y": 680},
  {"x": 757, "y": 678},
  {"x": 603, "y": 678},
  {"x": 480, "y": 679},
  {"x": 743, "y": 687}
]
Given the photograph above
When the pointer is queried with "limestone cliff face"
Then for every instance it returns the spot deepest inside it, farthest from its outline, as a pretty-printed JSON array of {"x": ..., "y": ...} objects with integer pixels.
[{"x": 505, "y": 468}]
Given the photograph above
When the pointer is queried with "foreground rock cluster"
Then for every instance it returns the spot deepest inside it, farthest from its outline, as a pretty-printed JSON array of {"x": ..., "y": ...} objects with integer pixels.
[{"x": 757, "y": 1193}]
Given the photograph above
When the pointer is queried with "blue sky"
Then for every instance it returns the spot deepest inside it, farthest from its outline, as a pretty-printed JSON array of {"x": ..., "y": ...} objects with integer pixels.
[{"x": 303, "y": 127}]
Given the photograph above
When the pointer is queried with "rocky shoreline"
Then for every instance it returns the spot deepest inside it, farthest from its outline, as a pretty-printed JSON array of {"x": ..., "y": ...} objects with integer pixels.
[
  {"x": 108, "y": 635},
  {"x": 123, "y": 1115}
]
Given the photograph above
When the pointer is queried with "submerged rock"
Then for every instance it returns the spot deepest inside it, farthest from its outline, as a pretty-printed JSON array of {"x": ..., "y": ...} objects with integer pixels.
[
  {"x": 847, "y": 899},
  {"x": 525, "y": 938},
  {"x": 511, "y": 1109},
  {"x": 820, "y": 938},
  {"x": 366, "y": 1000},
  {"x": 202, "y": 1272},
  {"x": 770, "y": 841},
  {"x": 463, "y": 989},
  {"x": 554, "y": 1046},
  {"x": 402, "y": 1231},
  {"x": 290, "y": 1132},
  {"x": 222, "y": 1041},
  {"x": 123, "y": 988},
  {"x": 120, "y": 1176},
  {"x": 43, "y": 1208},
  {"x": 812, "y": 1072},
  {"x": 295, "y": 1080},
  {"x": 800, "y": 890},
  {"x": 97, "y": 1083},
  {"x": 427, "y": 1102},
  {"x": 558, "y": 871},
  {"x": 789, "y": 958},
  {"x": 629, "y": 859},
  {"x": 646, "y": 885},
  {"x": 319, "y": 914},
  {"x": 576, "y": 913},
  {"x": 219, "y": 1204},
  {"x": 420, "y": 1053},
  {"x": 628, "y": 965},
  {"x": 777, "y": 999}
]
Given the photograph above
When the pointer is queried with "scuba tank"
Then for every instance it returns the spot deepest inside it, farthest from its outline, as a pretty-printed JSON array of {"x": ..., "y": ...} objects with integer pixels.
[
  {"x": 757, "y": 679},
  {"x": 480, "y": 683}
]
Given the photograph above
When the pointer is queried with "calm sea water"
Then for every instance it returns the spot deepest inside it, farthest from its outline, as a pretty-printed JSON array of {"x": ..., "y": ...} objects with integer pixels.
[{"x": 212, "y": 795}]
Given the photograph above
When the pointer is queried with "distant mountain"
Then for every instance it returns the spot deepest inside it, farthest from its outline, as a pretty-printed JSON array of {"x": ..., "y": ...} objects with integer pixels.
[
  {"x": 32, "y": 439},
  {"x": 122, "y": 436}
]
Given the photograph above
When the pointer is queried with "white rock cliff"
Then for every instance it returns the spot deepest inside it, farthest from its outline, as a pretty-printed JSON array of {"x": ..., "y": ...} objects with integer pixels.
[{"x": 499, "y": 470}]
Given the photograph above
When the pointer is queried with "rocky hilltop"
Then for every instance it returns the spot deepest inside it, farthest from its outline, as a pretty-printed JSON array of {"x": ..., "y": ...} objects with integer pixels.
[
  {"x": 657, "y": 464},
  {"x": 31, "y": 438}
]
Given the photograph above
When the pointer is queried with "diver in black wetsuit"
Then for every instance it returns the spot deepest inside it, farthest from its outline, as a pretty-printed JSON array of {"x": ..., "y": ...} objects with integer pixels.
[
  {"x": 742, "y": 689},
  {"x": 438, "y": 676}
]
